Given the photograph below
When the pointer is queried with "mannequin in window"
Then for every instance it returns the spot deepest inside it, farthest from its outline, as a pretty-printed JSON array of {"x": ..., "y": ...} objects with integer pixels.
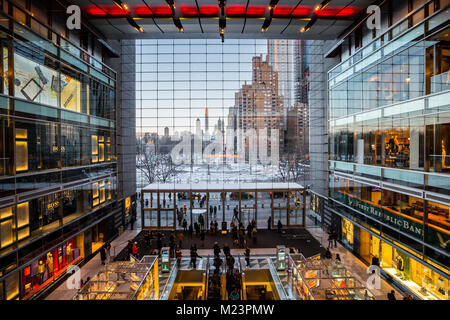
[
  {"x": 40, "y": 272},
  {"x": 69, "y": 253},
  {"x": 399, "y": 265},
  {"x": 49, "y": 263}
]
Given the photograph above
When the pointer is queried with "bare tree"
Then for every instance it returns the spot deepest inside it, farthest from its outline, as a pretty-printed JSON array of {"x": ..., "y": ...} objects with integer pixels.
[
  {"x": 290, "y": 169},
  {"x": 156, "y": 166},
  {"x": 147, "y": 165},
  {"x": 166, "y": 168}
]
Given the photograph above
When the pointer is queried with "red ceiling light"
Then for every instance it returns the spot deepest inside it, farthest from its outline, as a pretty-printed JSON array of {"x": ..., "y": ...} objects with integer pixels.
[
  {"x": 301, "y": 12},
  {"x": 209, "y": 10},
  {"x": 101, "y": 11},
  {"x": 188, "y": 11},
  {"x": 342, "y": 12},
  {"x": 256, "y": 11},
  {"x": 161, "y": 11},
  {"x": 143, "y": 10},
  {"x": 290, "y": 12},
  {"x": 347, "y": 12},
  {"x": 235, "y": 10}
]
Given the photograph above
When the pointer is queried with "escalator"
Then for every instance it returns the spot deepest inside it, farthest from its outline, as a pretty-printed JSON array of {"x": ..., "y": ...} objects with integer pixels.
[{"x": 214, "y": 280}]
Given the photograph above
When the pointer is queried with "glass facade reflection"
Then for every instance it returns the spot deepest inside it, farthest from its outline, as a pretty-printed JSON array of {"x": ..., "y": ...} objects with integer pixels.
[
  {"x": 58, "y": 170},
  {"x": 222, "y": 96},
  {"x": 389, "y": 115}
]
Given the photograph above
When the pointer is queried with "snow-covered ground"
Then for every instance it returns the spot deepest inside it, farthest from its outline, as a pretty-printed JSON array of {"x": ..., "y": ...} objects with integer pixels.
[{"x": 229, "y": 173}]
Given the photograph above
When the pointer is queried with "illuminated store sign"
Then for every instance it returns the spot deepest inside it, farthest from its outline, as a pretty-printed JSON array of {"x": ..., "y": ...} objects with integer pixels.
[{"x": 403, "y": 224}]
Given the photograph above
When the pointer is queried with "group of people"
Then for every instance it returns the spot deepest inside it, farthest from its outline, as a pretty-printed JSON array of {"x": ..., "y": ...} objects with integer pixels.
[
  {"x": 233, "y": 276},
  {"x": 238, "y": 233}
]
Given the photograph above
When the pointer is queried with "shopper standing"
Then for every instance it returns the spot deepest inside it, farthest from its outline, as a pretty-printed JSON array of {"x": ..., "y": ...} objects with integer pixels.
[
  {"x": 279, "y": 225},
  {"x": 179, "y": 255},
  {"x": 391, "y": 295},
  {"x": 103, "y": 254},
  {"x": 269, "y": 223},
  {"x": 247, "y": 256},
  {"x": 191, "y": 230},
  {"x": 226, "y": 250},
  {"x": 108, "y": 252},
  {"x": 135, "y": 250}
]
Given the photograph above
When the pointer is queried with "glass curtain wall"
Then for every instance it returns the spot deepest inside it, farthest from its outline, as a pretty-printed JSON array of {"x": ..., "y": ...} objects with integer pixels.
[{"x": 197, "y": 93}]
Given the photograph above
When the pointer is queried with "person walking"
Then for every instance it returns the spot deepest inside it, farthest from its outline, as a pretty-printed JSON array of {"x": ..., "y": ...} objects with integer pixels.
[
  {"x": 254, "y": 232},
  {"x": 159, "y": 244},
  {"x": 216, "y": 249},
  {"x": 328, "y": 254},
  {"x": 129, "y": 249},
  {"x": 269, "y": 223},
  {"x": 247, "y": 256},
  {"x": 335, "y": 236},
  {"x": 191, "y": 230},
  {"x": 179, "y": 255},
  {"x": 375, "y": 261},
  {"x": 180, "y": 239},
  {"x": 215, "y": 212},
  {"x": 202, "y": 237},
  {"x": 184, "y": 225},
  {"x": 133, "y": 219},
  {"x": 330, "y": 240},
  {"x": 279, "y": 226},
  {"x": 391, "y": 295},
  {"x": 226, "y": 250},
  {"x": 234, "y": 295},
  {"x": 103, "y": 254},
  {"x": 194, "y": 256},
  {"x": 338, "y": 258},
  {"x": 135, "y": 250},
  {"x": 108, "y": 252}
]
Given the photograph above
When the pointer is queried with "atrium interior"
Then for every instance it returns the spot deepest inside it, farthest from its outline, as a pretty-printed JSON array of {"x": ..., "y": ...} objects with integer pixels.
[{"x": 224, "y": 150}]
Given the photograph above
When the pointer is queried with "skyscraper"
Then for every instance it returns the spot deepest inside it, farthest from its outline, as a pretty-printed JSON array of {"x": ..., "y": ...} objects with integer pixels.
[
  {"x": 206, "y": 120},
  {"x": 258, "y": 105}
]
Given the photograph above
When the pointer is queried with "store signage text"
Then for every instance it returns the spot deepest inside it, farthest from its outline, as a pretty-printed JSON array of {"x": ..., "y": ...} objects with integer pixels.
[{"x": 384, "y": 215}]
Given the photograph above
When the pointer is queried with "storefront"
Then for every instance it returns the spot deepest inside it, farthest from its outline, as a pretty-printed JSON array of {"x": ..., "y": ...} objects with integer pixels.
[
  {"x": 422, "y": 281},
  {"x": 316, "y": 208},
  {"x": 347, "y": 233},
  {"x": 46, "y": 269}
]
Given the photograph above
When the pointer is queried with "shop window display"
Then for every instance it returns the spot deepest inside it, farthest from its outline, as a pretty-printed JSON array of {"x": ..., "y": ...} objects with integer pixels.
[
  {"x": 36, "y": 146},
  {"x": 21, "y": 150},
  {"x": 23, "y": 220},
  {"x": 12, "y": 286},
  {"x": 35, "y": 77},
  {"x": 438, "y": 143},
  {"x": 44, "y": 214},
  {"x": 70, "y": 93},
  {"x": 73, "y": 152},
  {"x": 48, "y": 267},
  {"x": 423, "y": 281},
  {"x": 396, "y": 144},
  {"x": 347, "y": 232}
]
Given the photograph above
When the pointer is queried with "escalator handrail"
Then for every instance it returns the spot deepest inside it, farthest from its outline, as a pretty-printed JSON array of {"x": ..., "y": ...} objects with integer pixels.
[
  {"x": 276, "y": 280},
  {"x": 205, "y": 292},
  {"x": 169, "y": 283}
]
